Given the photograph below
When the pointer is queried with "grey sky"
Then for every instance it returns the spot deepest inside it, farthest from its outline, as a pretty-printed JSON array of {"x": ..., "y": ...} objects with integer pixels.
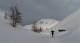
[
  {"x": 57, "y": 9},
  {"x": 35, "y": 9}
]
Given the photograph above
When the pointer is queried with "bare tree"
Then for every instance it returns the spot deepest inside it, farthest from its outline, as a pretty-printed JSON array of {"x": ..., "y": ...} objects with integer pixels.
[{"x": 15, "y": 16}]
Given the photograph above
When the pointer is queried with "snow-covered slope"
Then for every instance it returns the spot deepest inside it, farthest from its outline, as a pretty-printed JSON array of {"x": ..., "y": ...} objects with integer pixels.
[
  {"x": 20, "y": 36},
  {"x": 24, "y": 36},
  {"x": 72, "y": 25},
  {"x": 44, "y": 24}
]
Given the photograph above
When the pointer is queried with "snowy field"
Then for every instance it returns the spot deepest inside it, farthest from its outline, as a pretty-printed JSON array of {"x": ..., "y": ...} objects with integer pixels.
[
  {"x": 24, "y": 36},
  {"x": 20, "y": 36}
]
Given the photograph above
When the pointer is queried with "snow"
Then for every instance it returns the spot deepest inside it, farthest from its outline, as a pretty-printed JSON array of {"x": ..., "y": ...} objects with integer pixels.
[
  {"x": 46, "y": 24},
  {"x": 18, "y": 36},
  {"x": 71, "y": 24},
  {"x": 22, "y": 35},
  {"x": 8, "y": 34}
]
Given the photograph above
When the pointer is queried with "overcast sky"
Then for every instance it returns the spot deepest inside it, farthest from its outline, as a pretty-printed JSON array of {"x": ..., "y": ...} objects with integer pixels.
[{"x": 35, "y": 9}]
